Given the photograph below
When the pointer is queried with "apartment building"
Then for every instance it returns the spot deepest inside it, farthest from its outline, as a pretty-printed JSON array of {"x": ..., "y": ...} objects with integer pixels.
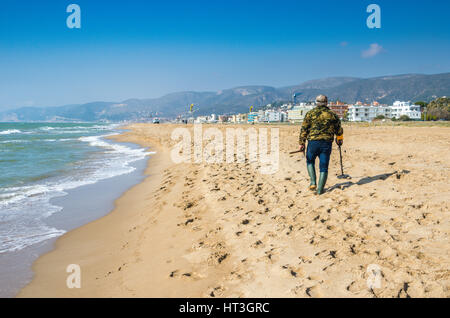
[
  {"x": 370, "y": 112},
  {"x": 297, "y": 113}
]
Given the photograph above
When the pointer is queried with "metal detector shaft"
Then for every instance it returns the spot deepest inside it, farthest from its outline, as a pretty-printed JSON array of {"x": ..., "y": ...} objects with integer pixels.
[{"x": 340, "y": 156}]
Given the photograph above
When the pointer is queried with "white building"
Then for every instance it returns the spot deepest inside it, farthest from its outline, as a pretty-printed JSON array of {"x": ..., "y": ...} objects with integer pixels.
[
  {"x": 261, "y": 116},
  {"x": 297, "y": 113},
  {"x": 201, "y": 119},
  {"x": 405, "y": 108},
  {"x": 272, "y": 116},
  {"x": 213, "y": 118},
  {"x": 369, "y": 113}
]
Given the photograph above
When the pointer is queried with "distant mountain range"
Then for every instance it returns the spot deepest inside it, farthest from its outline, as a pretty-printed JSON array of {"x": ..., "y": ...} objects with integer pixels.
[{"x": 387, "y": 89}]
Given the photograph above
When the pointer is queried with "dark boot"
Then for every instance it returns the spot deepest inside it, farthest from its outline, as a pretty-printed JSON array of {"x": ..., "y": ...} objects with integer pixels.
[
  {"x": 322, "y": 180},
  {"x": 312, "y": 177}
]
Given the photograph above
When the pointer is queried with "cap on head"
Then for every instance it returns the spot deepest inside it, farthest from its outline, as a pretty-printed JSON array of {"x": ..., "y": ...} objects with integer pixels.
[{"x": 321, "y": 100}]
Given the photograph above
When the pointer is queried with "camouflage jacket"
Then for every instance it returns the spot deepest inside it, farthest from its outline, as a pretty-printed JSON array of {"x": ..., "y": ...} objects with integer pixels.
[{"x": 320, "y": 123}]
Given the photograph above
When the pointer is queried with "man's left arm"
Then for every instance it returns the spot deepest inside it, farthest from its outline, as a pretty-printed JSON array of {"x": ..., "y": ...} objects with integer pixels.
[{"x": 339, "y": 131}]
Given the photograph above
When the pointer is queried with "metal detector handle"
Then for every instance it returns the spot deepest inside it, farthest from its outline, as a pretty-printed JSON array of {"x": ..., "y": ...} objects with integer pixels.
[{"x": 340, "y": 156}]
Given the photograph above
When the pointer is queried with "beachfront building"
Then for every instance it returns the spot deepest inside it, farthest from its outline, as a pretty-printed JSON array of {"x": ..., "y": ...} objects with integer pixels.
[
  {"x": 201, "y": 119},
  {"x": 399, "y": 109},
  {"x": 286, "y": 106},
  {"x": 367, "y": 113},
  {"x": 261, "y": 116},
  {"x": 297, "y": 113},
  {"x": 213, "y": 118},
  {"x": 339, "y": 108},
  {"x": 223, "y": 118},
  {"x": 252, "y": 117},
  {"x": 238, "y": 118},
  {"x": 272, "y": 116},
  {"x": 269, "y": 116}
]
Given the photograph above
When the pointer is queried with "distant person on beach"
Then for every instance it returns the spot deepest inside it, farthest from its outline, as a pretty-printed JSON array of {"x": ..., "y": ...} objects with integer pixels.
[{"x": 319, "y": 127}]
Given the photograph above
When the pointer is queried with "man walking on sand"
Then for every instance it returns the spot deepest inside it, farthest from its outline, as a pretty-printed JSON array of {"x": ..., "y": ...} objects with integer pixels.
[{"x": 319, "y": 127}]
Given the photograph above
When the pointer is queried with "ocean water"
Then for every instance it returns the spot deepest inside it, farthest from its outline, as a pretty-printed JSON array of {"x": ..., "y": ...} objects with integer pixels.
[{"x": 40, "y": 162}]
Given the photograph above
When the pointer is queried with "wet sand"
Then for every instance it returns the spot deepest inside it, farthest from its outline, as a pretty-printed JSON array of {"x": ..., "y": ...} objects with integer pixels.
[{"x": 226, "y": 230}]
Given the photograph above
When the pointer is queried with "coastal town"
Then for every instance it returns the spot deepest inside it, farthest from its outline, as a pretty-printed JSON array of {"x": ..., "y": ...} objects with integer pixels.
[
  {"x": 293, "y": 113},
  {"x": 222, "y": 157}
]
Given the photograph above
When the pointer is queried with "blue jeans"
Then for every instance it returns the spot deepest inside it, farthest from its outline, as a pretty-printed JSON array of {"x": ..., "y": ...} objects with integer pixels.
[{"x": 321, "y": 149}]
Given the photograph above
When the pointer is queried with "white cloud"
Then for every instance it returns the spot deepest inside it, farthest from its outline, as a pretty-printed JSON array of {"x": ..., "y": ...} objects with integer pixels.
[{"x": 373, "y": 50}]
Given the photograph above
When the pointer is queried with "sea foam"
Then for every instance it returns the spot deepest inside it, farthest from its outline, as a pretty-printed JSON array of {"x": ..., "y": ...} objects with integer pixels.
[
  {"x": 10, "y": 131},
  {"x": 23, "y": 209}
]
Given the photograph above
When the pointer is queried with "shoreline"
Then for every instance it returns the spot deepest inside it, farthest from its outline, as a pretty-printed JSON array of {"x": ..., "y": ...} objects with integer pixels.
[
  {"x": 40, "y": 264},
  {"x": 100, "y": 245},
  {"x": 224, "y": 230},
  {"x": 75, "y": 212}
]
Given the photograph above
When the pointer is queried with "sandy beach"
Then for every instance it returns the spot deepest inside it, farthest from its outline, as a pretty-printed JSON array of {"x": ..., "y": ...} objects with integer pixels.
[{"x": 226, "y": 230}]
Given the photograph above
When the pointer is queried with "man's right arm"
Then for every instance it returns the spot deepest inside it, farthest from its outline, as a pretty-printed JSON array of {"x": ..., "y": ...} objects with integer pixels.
[{"x": 304, "y": 131}]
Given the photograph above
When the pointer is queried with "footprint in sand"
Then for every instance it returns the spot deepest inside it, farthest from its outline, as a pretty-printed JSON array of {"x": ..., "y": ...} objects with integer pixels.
[{"x": 313, "y": 291}]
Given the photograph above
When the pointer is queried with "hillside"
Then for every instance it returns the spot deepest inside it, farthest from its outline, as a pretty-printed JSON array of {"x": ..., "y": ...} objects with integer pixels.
[
  {"x": 439, "y": 108},
  {"x": 387, "y": 89}
]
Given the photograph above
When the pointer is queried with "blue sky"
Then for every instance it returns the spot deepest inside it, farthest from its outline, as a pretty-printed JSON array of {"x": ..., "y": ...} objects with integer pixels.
[{"x": 141, "y": 49}]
